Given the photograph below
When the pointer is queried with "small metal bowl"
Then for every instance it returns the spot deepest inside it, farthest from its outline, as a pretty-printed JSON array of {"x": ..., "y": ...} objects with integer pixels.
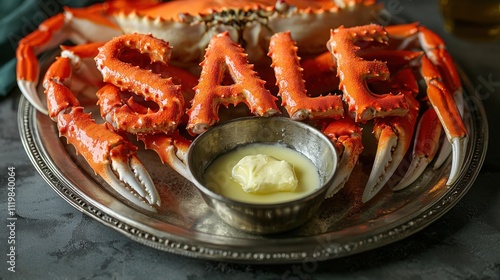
[{"x": 263, "y": 218}]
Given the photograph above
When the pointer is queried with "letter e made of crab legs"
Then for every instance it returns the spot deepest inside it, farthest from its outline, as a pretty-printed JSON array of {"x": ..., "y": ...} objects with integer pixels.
[{"x": 355, "y": 72}]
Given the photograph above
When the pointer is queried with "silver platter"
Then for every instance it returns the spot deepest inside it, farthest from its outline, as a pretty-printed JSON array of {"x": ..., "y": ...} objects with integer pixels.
[{"x": 184, "y": 225}]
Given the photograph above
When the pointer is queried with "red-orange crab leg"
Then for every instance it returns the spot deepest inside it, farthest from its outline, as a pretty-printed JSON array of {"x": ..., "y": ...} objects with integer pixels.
[
  {"x": 425, "y": 147},
  {"x": 355, "y": 72},
  {"x": 283, "y": 51},
  {"x": 110, "y": 155},
  {"x": 92, "y": 27},
  {"x": 149, "y": 85},
  {"x": 416, "y": 35},
  {"x": 320, "y": 74},
  {"x": 449, "y": 115},
  {"x": 345, "y": 134},
  {"x": 172, "y": 149},
  {"x": 394, "y": 136},
  {"x": 85, "y": 78},
  {"x": 223, "y": 55}
]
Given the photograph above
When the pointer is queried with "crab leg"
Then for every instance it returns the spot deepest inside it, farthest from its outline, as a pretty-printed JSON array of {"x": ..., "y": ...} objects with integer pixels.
[
  {"x": 425, "y": 147},
  {"x": 289, "y": 79},
  {"x": 434, "y": 48},
  {"x": 110, "y": 155},
  {"x": 78, "y": 25},
  {"x": 172, "y": 149},
  {"x": 449, "y": 115},
  {"x": 346, "y": 136},
  {"x": 394, "y": 136},
  {"x": 445, "y": 88},
  {"x": 320, "y": 74},
  {"x": 225, "y": 55}
]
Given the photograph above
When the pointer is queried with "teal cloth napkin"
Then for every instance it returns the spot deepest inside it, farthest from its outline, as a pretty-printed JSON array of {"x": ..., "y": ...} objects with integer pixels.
[{"x": 18, "y": 19}]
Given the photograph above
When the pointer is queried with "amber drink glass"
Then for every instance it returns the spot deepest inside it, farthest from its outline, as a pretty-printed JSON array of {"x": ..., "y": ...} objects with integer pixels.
[{"x": 475, "y": 20}]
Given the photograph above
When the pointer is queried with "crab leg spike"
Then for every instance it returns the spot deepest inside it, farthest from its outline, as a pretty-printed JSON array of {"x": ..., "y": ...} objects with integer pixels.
[
  {"x": 345, "y": 134},
  {"x": 425, "y": 147},
  {"x": 286, "y": 64},
  {"x": 110, "y": 155},
  {"x": 355, "y": 72},
  {"x": 443, "y": 102},
  {"x": 394, "y": 135},
  {"x": 225, "y": 55}
]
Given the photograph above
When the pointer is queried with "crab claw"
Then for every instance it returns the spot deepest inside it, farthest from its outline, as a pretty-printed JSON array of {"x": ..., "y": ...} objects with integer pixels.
[
  {"x": 394, "y": 135},
  {"x": 346, "y": 137},
  {"x": 425, "y": 147},
  {"x": 449, "y": 114},
  {"x": 109, "y": 154},
  {"x": 444, "y": 88},
  {"x": 459, "y": 148},
  {"x": 132, "y": 173},
  {"x": 171, "y": 149}
]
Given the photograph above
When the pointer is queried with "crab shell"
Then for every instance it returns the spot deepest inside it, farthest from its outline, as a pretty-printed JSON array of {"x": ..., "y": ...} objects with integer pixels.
[{"x": 189, "y": 25}]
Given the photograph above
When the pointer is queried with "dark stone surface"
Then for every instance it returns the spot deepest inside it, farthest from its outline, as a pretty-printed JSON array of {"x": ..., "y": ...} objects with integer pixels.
[{"x": 55, "y": 241}]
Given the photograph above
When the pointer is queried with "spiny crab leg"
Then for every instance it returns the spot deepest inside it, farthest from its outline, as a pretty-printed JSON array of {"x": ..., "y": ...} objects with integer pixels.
[
  {"x": 416, "y": 35},
  {"x": 225, "y": 55},
  {"x": 425, "y": 147},
  {"x": 46, "y": 37},
  {"x": 394, "y": 135},
  {"x": 345, "y": 134},
  {"x": 50, "y": 34},
  {"x": 124, "y": 76},
  {"x": 446, "y": 90},
  {"x": 443, "y": 102},
  {"x": 172, "y": 150},
  {"x": 355, "y": 72},
  {"x": 283, "y": 51},
  {"x": 109, "y": 154}
]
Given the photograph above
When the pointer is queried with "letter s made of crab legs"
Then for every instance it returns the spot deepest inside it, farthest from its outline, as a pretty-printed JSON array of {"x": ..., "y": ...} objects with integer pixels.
[{"x": 110, "y": 155}]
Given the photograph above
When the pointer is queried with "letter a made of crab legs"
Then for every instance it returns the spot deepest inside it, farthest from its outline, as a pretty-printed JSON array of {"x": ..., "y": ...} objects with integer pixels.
[{"x": 348, "y": 45}]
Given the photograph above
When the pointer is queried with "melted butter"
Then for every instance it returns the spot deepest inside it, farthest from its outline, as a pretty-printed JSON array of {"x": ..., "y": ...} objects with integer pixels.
[
  {"x": 264, "y": 174},
  {"x": 218, "y": 174}
]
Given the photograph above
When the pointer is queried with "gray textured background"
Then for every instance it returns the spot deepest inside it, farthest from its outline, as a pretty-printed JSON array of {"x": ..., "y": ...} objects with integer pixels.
[{"x": 55, "y": 241}]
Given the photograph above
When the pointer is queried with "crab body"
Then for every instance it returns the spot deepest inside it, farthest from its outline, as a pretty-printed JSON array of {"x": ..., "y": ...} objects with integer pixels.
[
  {"x": 188, "y": 26},
  {"x": 249, "y": 23}
]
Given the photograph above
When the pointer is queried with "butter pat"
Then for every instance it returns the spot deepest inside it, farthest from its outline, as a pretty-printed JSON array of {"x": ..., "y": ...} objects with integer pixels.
[{"x": 261, "y": 174}]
